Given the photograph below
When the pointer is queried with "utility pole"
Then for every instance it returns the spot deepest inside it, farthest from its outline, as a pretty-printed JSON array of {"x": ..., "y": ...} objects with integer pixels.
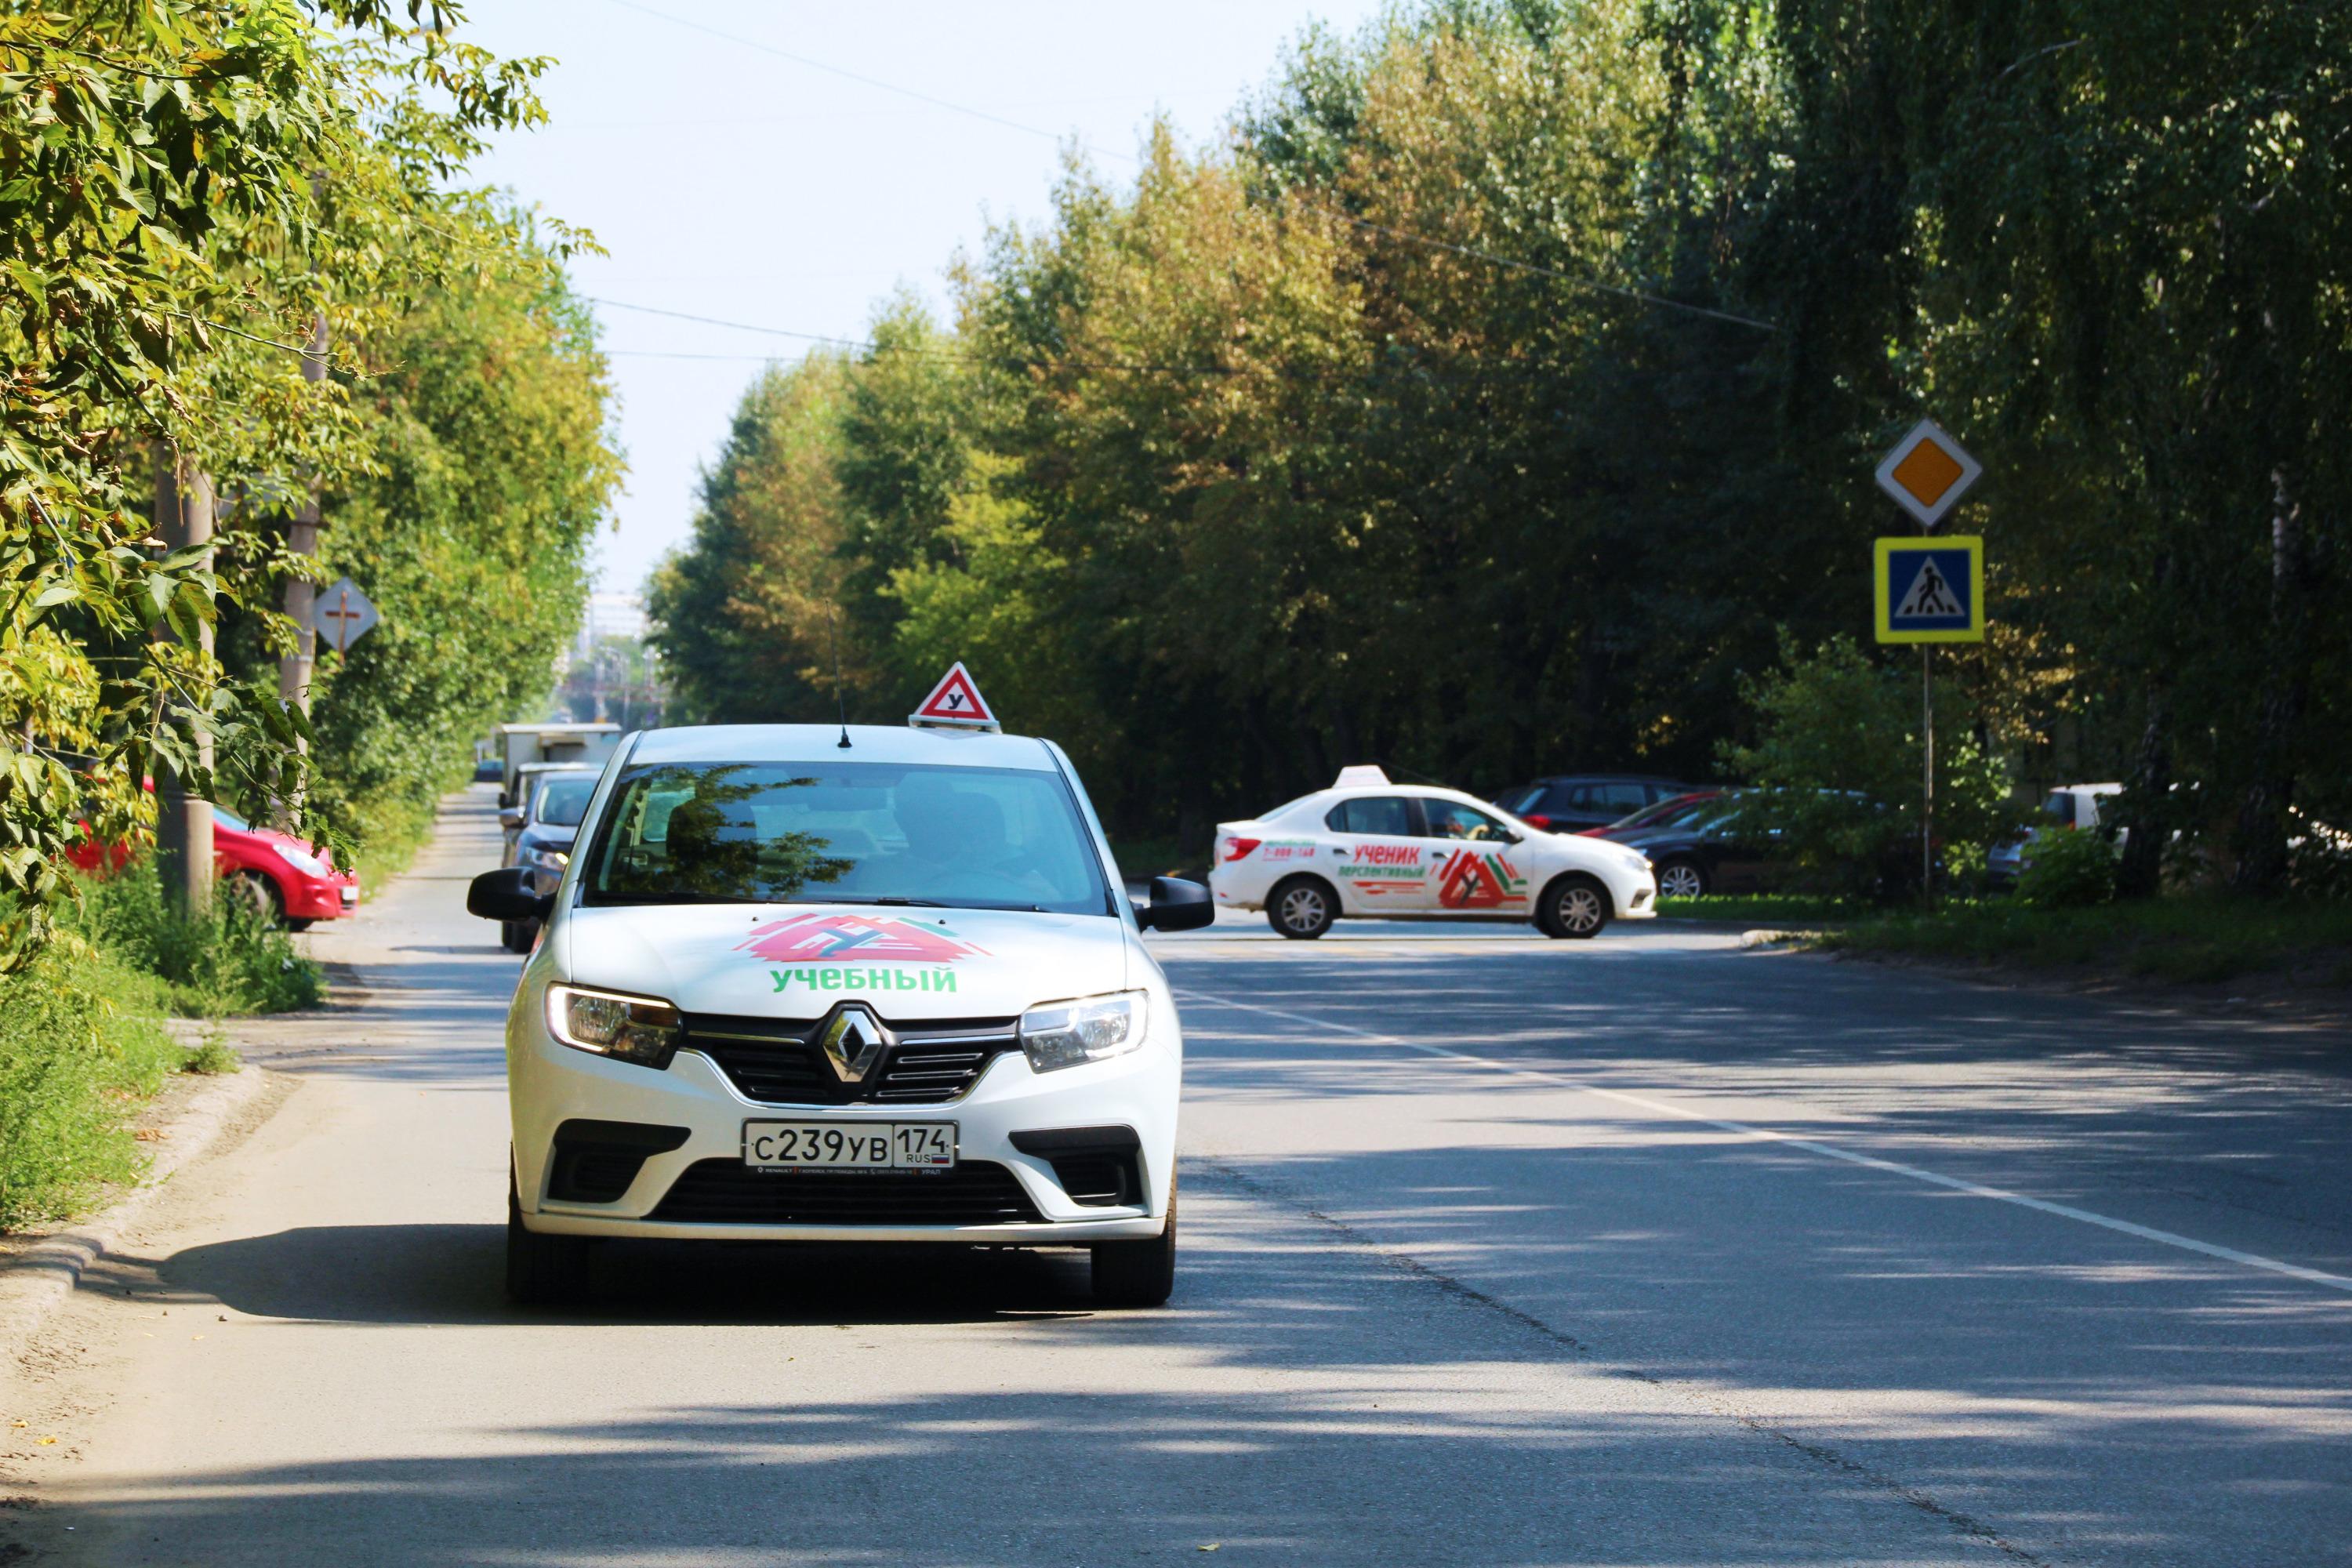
[
  {"x": 184, "y": 822},
  {"x": 294, "y": 669}
]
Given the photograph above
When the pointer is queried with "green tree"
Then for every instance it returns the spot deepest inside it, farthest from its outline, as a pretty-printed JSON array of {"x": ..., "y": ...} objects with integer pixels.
[
  {"x": 745, "y": 616},
  {"x": 1837, "y": 770}
]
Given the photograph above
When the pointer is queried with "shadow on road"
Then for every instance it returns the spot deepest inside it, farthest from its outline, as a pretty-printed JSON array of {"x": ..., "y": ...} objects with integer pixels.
[{"x": 452, "y": 1274}]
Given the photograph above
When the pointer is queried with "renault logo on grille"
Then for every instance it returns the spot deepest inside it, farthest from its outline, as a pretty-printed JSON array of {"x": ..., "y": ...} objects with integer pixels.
[{"x": 854, "y": 1040}]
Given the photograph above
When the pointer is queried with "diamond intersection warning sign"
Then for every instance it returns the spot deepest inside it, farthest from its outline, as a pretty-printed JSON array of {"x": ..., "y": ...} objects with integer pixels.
[
  {"x": 1930, "y": 589},
  {"x": 1928, "y": 473}
]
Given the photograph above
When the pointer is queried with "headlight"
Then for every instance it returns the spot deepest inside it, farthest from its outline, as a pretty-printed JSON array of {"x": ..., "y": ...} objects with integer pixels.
[
  {"x": 299, "y": 861},
  {"x": 634, "y": 1028},
  {"x": 1063, "y": 1033},
  {"x": 547, "y": 859}
]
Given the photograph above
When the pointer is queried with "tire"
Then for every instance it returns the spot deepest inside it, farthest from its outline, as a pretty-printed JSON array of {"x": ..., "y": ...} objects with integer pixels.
[
  {"x": 1137, "y": 1273},
  {"x": 514, "y": 936},
  {"x": 1573, "y": 907},
  {"x": 259, "y": 894},
  {"x": 541, "y": 1271},
  {"x": 1302, "y": 907},
  {"x": 301, "y": 924},
  {"x": 1682, "y": 878}
]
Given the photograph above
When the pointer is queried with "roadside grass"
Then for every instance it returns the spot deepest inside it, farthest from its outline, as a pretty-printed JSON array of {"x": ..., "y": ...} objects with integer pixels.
[
  {"x": 226, "y": 962},
  {"x": 398, "y": 823},
  {"x": 82, "y": 1049},
  {"x": 2197, "y": 940},
  {"x": 1761, "y": 908}
]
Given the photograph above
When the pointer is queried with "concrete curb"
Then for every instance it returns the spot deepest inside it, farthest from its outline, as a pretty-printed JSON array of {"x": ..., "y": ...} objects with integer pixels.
[{"x": 36, "y": 1278}]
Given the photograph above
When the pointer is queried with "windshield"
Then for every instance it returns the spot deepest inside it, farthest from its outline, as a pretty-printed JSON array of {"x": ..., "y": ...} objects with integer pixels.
[
  {"x": 857, "y": 833},
  {"x": 231, "y": 820},
  {"x": 564, "y": 802}
]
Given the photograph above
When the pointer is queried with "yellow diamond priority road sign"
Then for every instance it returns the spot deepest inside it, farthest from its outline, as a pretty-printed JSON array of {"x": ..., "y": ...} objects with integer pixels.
[{"x": 1928, "y": 473}]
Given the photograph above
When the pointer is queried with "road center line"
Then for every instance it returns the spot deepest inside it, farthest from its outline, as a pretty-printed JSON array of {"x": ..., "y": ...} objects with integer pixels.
[{"x": 1813, "y": 1146}]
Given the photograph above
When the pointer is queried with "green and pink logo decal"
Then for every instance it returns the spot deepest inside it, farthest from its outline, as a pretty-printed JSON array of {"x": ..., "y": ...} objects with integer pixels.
[{"x": 859, "y": 952}]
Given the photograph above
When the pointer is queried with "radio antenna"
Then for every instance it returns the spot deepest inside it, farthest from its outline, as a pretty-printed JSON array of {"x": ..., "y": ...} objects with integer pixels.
[{"x": 840, "y": 702}]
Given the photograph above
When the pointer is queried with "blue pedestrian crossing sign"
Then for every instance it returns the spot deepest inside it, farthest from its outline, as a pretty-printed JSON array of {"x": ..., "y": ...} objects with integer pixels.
[{"x": 1931, "y": 590}]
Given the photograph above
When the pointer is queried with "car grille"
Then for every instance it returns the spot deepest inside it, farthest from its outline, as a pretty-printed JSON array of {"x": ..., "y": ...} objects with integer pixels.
[
  {"x": 728, "y": 1192},
  {"x": 777, "y": 1061}
]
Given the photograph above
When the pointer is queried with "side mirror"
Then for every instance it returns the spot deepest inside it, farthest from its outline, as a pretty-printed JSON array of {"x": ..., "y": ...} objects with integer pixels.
[
  {"x": 508, "y": 894},
  {"x": 511, "y": 818},
  {"x": 1177, "y": 905}
]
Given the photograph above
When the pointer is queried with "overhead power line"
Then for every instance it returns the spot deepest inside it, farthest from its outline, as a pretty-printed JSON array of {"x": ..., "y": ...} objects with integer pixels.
[{"x": 1470, "y": 252}]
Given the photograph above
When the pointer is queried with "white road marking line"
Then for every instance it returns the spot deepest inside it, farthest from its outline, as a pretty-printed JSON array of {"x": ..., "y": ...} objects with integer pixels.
[{"x": 1813, "y": 1146}]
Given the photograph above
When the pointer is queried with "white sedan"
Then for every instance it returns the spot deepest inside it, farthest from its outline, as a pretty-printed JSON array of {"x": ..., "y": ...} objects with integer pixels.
[
  {"x": 1367, "y": 848},
  {"x": 802, "y": 984}
]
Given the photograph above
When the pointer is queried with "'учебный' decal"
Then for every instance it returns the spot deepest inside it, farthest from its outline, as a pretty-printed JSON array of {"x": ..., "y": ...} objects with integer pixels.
[{"x": 859, "y": 952}]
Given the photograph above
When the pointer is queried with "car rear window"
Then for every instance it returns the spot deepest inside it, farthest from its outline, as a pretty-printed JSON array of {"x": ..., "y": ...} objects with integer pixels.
[
  {"x": 1381, "y": 815},
  {"x": 694, "y": 833},
  {"x": 564, "y": 802}
]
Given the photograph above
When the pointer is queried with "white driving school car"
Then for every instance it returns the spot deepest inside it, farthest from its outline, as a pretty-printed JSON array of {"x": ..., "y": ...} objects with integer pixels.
[
  {"x": 1369, "y": 848},
  {"x": 858, "y": 984}
]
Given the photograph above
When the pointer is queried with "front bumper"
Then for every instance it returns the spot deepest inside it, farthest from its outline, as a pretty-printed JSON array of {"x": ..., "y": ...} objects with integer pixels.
[
  {"x": 552, "y": 1084},
  {"x": 309, "y": 897}
]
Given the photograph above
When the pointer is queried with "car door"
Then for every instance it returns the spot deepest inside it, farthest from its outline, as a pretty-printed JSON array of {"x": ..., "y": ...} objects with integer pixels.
[
  {"x": 1382, "y": 867},
  {"x": 1608, "y": 801},
  {"x": 1740, "y": 855},
  {"x": 1476, "y": 864}
]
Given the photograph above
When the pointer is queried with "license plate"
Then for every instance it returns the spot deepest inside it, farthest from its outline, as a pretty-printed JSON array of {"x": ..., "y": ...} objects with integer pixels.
[{"x": 849, "y": 1145}]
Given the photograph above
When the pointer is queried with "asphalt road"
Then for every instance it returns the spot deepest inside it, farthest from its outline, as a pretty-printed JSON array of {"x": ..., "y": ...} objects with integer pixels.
[{"x": 1647, "y": 1250}]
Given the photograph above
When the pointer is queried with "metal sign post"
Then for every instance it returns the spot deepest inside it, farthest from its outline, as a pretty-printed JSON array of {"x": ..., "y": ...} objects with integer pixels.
[{"x": 1920, "y": 595}]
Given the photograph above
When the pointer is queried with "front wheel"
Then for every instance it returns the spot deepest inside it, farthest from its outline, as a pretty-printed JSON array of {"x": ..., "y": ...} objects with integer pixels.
[
  {"x": 257, "y": 893},
  {"x": 1137, "y": 1273},
  {"x": 1575, "y": 907},
  {"x": 1682, "y": 879},
  {"x": 1302, "y": 907},
  {"x": 541, "y": 1271}
]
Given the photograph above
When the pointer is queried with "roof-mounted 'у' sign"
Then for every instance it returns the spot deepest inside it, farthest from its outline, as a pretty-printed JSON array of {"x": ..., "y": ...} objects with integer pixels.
[
  {"x": 1931, "y": 589},
  {"x": 955, "y": 702},
  {"x": 1928, "y": 473}
]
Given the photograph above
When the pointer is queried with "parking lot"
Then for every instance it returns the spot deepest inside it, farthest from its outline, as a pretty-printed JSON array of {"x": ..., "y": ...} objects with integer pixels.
[{"x": 1647, "y": 1249}]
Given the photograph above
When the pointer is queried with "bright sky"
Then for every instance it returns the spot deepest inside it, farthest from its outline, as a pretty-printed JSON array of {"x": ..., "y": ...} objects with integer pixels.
[{"x": 733, "y": 182}]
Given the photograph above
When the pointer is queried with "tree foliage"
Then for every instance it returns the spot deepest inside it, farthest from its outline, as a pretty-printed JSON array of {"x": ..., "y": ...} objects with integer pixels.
[
  {"x": 191, "y": 191},
  {"x": 1503, "y": 396}
]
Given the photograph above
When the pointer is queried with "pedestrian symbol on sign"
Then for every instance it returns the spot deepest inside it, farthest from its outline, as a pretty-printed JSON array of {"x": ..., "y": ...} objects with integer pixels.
[
  {"x": 1931, "y": 590},
  {"x": 1929, "y": 596}
]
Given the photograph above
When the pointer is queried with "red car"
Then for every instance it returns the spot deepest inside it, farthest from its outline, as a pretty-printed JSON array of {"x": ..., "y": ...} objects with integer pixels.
[
  {"x": 1672, "y": 812},
  {"x": 275, "y": 871}
]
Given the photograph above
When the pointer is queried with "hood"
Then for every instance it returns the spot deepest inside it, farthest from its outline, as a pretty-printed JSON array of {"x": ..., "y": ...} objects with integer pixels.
[
  {"x": 546, "y": 836},
  {"x": 268, "y": 838},
  {"x": 795, "y": 960}
]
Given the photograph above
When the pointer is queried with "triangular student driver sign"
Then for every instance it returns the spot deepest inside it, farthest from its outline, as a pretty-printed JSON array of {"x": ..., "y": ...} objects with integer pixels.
[{"x": 956, "y": 700}]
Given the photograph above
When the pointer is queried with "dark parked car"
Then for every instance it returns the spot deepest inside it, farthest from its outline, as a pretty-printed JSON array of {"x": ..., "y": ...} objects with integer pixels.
[
  {"x": 543, "y": 841},
  {"x": 1711, "y": 852},
  {"x": 1571, "y": 803},
  {"x": 1671, "y": 812}
]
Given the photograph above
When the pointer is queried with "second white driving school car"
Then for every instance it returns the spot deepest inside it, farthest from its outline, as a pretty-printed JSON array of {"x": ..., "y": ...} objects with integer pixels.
[
  {"x": 856, "y": 985},
  {"x": 1369, "y": 849}
]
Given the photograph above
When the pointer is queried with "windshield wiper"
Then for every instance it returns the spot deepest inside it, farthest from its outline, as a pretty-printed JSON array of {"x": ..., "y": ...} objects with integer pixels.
[{"x": 890, "y": 899}]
